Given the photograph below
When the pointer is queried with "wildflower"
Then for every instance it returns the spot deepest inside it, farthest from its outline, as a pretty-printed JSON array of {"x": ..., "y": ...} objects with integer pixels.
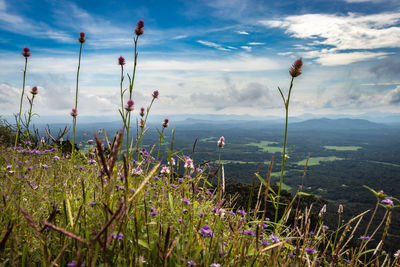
[
  {"x": 26, "y": 52},
  {"x": 189, "y": 163},
  {"x": 90, "y": 141},
  {"x": 141, "y": 112},
  {"x": 28, "y": 143},
  {"x": 215, "y": 265},
  {"x": 121, "y": 61},
  {"x": 249, "y": 232},
  {"x": 34, "y": 90},
  {"x": 92, "y": 204},
  {"x": 221, "y": 142},
  {"x": 191, "y": 263},
  {"x": 9, "y": 167},
  {"x": 265, "y": 242},
  {"x": 274, "y": 238},
  {"x": 82, "y": 38},
  {"x": 42, "y": 141},
  {"x": 365, "y": 238},
  {"x": 310, "y": 250},
  {"x": 91, "y": 161},
  {"x": 165, "y": 170},
  {"x": 387, "y": 202},
  {"x": 397, "y": 254},
  {"x": 340, "y": 209},
  {"x": 241, "y": 212},
  {"x": 201, "y": 215},
  {"x": 56, "y": 158},
  {"x": 29, "y": 168},
  {"x": 326, "y": 227},
  {"x": 186, "y": 201},
  {"x": 139, "y": 28},
  {"x": 155, "y": 94},
  {"x": 295, "y": 70},
  {"x": 129, "y": 105},
  {"x": 120, "y": 236},
  {"x": 44, "y": 166},
  {"x": 165, "y": 123},
  {"x": 72, "y": 264},
  {"x": 74, "y": 112},
  {"x": 205, "y": 231}
]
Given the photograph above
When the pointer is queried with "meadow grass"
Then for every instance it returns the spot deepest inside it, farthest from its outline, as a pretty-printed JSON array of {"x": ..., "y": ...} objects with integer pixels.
[
  {"x": 343, "y": 148},
  {"x": 317, "y": 160},
  {"x": 106, "y": 206},
  {"x": 265, "y": 146}
]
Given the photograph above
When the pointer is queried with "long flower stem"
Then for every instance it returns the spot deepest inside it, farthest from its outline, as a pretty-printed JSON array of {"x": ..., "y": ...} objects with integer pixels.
[
  {"x": 29, "y": 115},
  {"x": 284, "y": 150},
  {"x": 20, "y": 110},
  {"x": 76, "y": 103}
]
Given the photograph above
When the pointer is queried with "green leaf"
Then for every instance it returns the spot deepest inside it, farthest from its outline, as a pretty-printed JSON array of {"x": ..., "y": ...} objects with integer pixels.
[
  {"x": 171, "y": 201},
  {"x": 143, "y": 244},
  {"x": 303, "y": 194}
]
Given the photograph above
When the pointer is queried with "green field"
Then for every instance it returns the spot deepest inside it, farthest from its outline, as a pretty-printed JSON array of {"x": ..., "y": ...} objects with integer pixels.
[
  {"x": 317, "y": 160},
  {"x": 209, "y": 139},
  {"x": 343, "y": 148},
  {"x": 265, "y": 146}
]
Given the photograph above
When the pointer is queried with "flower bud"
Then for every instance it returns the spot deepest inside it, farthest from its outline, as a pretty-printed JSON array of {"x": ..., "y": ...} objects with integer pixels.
[
  {"x": 340, "y": 209},
  {"x": 155, "y": 94},
  {"x": 141, "y": 112},
  {"x": 129, "y": 105},
  {"x": 34, "y": 90},
  {"x": 121, "y": 61},
  {"x": 26, "y": 52},
  {"x": 221, "y": 142},
  {"x": 82, "y": 38},
  {"x": 74, "y": 112},
  {"x": 141, "y": 125},
  {"x": 165, "y": 123},
  {"x": 295, "y": 70},
  {"x": 139, "y": 27}
]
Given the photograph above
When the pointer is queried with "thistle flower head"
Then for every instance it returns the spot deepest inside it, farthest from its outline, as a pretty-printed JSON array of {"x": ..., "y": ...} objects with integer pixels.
[
  {"x": 295, "y": 70},
  {"x": 139, "y": 28},
  {"x": 165, "y": 123},
  {"x": 82, "y": 37},
  {"x": 34, "y": 90},
  {"x": 388, "y": 202},
  {"x": 155, "y": 94},
  {"x": 74, "y": 112},
  {"x": 26, "y": 52},
  {"x": 322, "y": 211},
  {"x": 129, "y": 105},
  {"x": 221, "y": 142},
  {"x": 141, "y": 112},
  {"x": 121, "y": 61}
]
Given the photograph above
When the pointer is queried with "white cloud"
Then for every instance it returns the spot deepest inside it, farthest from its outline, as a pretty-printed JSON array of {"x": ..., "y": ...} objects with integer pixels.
[
  {"x": 342, "y": 33},
  {"x": 213, "y": 45},
  {"x": 242, "y": 32},
  {"x": 256, "y": 43},
  {"x": 247, "y": 48}
]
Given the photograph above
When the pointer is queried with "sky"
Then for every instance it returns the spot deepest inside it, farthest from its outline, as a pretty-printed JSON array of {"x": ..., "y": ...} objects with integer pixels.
[{"x": 204, "y": 57}]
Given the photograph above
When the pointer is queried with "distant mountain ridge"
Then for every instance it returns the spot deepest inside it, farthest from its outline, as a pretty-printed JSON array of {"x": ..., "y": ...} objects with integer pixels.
[{"x": 343, "y": 123}]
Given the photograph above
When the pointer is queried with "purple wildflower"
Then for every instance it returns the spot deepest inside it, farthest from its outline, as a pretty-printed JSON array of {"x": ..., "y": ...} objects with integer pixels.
[
  {"x": 215, "y": 265},
  {"x": 310, "y": 250},
  {"x": 249, "y": 232},
  {"x": 44, "y": 166},
  {"x": 34, "y": 90},
  {"x": 56, "y": 158},
  {"x": 186, "y": 201},
  {"x": 90, "y": 141},
  {"x": 366, "y": 238},
  {"x": 155, "y": 94},
  {"x": 92, "y": 204},
  {"x": 326, "y": 227},
  {"x": 265, "y": 242},
  {"x": 388, "y": 202},
  {"x": 205, "y": 231},
  {"x": 274, "y": 238},
  {"x": 191, "y": 263},
  {"x": 165, "y": 123},
  {"x": 241, "y": 212},
  {"x": 141, "y": 112},
  {"x": 91, "y": 161}
]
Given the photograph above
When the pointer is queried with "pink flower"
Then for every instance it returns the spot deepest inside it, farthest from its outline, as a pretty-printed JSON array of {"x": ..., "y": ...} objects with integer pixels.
[
  {"x": 121, "y": 61},
  {"x": 141, "y": 111},
  {"x": 221, "y": 142},
  {"x": 295, "y": 70},
  {"x": 129, "y": 105},
  {"x": 82, "y": 38},
  {"x": 74, "y": 112},
  {"x": 155, "y": 94},
  {"x": 34, "y": 90},
  {"x": 139, "y": 28},
  {"x": 26, "y": 52}
]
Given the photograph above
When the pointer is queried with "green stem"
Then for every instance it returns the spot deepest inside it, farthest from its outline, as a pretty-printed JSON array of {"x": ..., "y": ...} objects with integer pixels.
[
  {"x": 76, "y": 103},
  {"x": 20, "y": 110},
  {"x": 284, "y": 150},
  {"x": 29, "y": 114}
]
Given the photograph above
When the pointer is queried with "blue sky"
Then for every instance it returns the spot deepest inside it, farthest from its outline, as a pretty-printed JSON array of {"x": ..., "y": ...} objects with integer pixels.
[{"x": 221, "y": 56}]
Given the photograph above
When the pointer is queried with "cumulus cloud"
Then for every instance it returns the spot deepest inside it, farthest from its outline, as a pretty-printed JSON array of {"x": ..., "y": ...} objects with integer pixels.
[
  {"x": 343, "y": 33},
  {"x": 393, "y": 97},
  {"x": 251, "y": 95}
]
